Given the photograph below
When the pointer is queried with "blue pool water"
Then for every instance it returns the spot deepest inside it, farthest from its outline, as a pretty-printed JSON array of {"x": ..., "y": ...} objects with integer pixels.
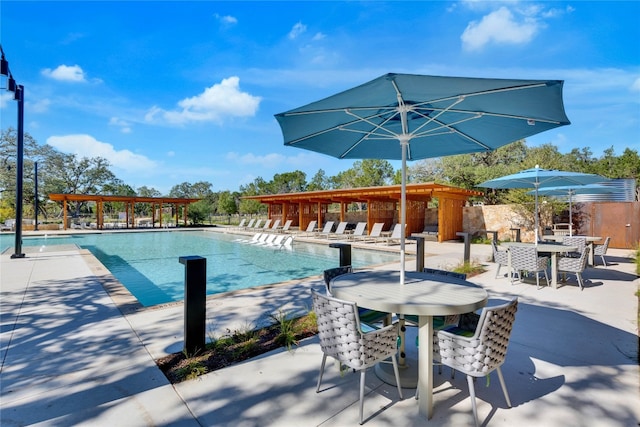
[{"x": 147, "y": 263}]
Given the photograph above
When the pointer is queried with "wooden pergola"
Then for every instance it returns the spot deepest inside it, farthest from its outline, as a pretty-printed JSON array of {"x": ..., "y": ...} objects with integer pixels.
[
  {"x": 129, "y": 202},
  {"x": 383, "y": 205}
]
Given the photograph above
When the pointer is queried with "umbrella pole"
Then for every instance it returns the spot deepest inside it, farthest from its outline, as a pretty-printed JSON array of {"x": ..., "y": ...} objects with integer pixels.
[
  {"x": 403, "y": 208},
  {"x": 536, "y": 213},
  {"x": 570, "y": 219}
]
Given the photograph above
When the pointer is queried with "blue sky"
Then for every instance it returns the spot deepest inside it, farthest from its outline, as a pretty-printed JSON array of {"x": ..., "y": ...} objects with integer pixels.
[{"x": 171, "y": 92}]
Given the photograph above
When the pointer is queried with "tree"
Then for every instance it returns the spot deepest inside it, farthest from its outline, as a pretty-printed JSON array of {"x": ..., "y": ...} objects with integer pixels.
[
  {"x": 319, "y": 181},
  {"x": 365, "y": 173},
  {"x": 288, "y": 182},
  {"x": 227, "y": 204}
]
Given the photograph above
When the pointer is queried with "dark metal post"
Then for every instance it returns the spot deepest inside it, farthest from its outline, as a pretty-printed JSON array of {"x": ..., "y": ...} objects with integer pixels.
[
  {"x": 345, "y": 253},
  {"x": 35, "y": 200},
  {"x": 467, "y": 246},
  {"x": 195, "y": 290},
  {"x": 19, "y": 96},
  {"x": 419, "y": 252},
  {"x": 494, "y": 237}
]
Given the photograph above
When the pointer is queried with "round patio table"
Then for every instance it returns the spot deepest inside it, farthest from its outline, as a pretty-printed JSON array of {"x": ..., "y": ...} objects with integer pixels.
[{"x": 425, "y": 295}]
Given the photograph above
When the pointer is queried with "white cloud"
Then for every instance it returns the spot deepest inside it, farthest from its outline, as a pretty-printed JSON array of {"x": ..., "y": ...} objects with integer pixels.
[
  {"x": 271, "y": 160},
  {"x": 297, "y": 30},
  {"x": 217, "y": 102},
  {"x": 319, "y": 36},
  {"x": 500, "y": 27},
  {"x": 73, "y": 73},
  {"x": 40, "y": 106},
  {"x": 226, "y": 19},
  {"x": 125, "y": 127},
  {"x": 83, "y": 145},
  {"x": 635, "y": 86}
]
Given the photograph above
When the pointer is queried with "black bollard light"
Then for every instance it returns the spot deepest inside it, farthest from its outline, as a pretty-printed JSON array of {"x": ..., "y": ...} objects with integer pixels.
[
  {"x": 467, "y": 246},
  {"x": 195, "y": 291},
  {"x": 345, "y": 253},
  {"x": 419, "y": 252}
]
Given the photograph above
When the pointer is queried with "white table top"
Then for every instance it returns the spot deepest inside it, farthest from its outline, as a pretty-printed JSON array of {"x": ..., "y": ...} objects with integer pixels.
[
  {"x": 543, "y": 247},
  {"x": 422, "y": 294},
  {"x": 560, "y": 238}
]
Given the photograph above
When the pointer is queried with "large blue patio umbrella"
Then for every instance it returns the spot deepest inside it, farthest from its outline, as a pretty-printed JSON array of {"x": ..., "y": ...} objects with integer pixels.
[
  {"x": 569, "y": 191},
  {"x": 410, "y": 117},
  {"x": 538, "y": 179}
]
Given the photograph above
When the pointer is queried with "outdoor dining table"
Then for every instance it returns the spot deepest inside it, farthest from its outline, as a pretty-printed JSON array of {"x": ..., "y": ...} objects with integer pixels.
[
  {"x": 552, "y": 248},
  {"x": 590, "y": 243},
  {"x": 425, "y": 295}
]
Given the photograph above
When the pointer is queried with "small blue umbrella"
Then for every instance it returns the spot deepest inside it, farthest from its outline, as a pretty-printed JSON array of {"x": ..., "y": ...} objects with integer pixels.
[
  {"x": 570, "y": 191},
  {"x": 538, "y": 178},
  {"x": 410, "y": 117}
]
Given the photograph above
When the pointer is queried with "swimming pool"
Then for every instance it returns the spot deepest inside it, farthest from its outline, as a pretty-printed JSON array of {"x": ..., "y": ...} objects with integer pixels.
[{"x": 147, "y": 263}]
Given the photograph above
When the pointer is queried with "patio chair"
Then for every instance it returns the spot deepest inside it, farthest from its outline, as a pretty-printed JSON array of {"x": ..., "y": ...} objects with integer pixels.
[
  {"x": 601, "y": 250},
  {"x": 267, "y": 224},
  {"x": 476, "y": 354},
  {"x": 500, "y": 257},
  {"x": 242, "y": 223},
  {"x": 250, "y": 225},
  {"x": 367, "y": 316},
  {"x": 343, "y": 337},
  {"x": 526, "y": 259},
  {"x": 575, "y": 265},
  {"x": 579, "y": 241},
  {"x": 340, "y": 231},
  {"x": 439, "y": 322},
  {"x": 257, "y": 224},
  {"x": 276, "y": 225},
  {"x": 359, "y": 232}
]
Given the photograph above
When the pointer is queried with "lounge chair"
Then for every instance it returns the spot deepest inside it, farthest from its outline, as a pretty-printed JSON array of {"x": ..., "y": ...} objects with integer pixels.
[
  {"x": 328, "y": 226},
  {"x": 359, "y": 232},
  {"x": 267, "y": 240},
  {"x": 286, "y": 226},
  {"x": 250, "y": 225},
  {"x": 256, "y": 225},
  {"x": 276, "y": 225},
  {"x": 310, "y": 228},
  {"x": 396, "y": 235},
  {"x": 242, "y": 223},
  {"x": 267, "y": 224},
  {"x": 276, "y": 241},
  {"x": 376, "y": 233},
  {"x": 340, "y": 231},
  {"x": 243, "y": 240}
]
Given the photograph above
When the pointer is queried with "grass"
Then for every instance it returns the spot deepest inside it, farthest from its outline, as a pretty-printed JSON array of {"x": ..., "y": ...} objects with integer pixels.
[{"x": 238, "y": 345}]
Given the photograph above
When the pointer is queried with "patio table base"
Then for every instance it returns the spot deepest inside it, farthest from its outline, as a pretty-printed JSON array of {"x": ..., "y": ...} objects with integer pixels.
[{"x": 408, "y": 373}]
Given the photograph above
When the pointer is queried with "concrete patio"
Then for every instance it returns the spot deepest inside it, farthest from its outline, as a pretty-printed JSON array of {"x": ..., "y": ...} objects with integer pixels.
[{"x": 75, "y": 354}]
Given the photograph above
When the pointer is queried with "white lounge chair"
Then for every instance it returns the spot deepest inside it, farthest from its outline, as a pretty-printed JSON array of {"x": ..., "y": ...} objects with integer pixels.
[
  {"x": 376, "y": 233},
  {"x": 276, "y": 225},
  {"x": 276, "y": 241},
  {"x": 286, "y": 226},
  {"x": 396, "y": 235},
  {"x": 340, "y": 231},
  {"x": 328, "y": 226},
  {"x": 267, "y": 224},
  {"x": 359, "y": 231},
  {"x": 267, "y": 240},
  {"x": 250, "y": 225},
  {"x": 310, "y": 228}
]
